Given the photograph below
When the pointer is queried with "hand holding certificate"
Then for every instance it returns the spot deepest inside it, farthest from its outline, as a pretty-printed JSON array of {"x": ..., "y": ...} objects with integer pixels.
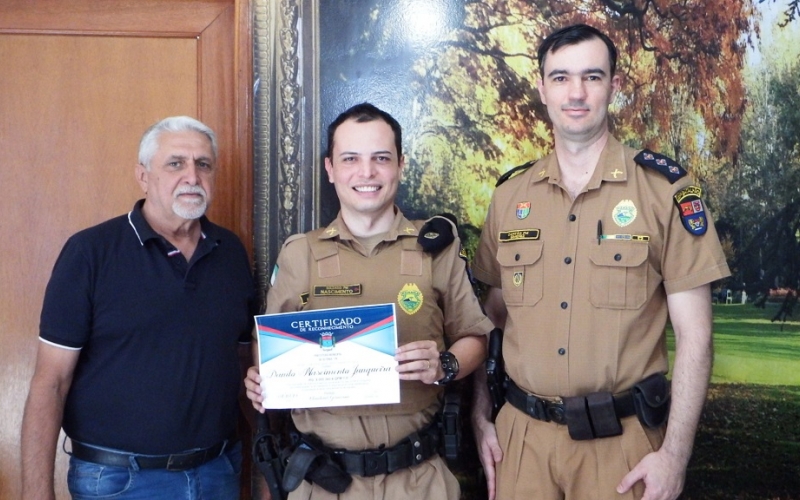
[{"x": 328, "y": 357}]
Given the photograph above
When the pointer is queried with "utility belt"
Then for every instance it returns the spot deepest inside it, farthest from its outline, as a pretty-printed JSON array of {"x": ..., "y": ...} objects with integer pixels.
[
  {"x": 173, "y": 462},
  {"x": 598, "y": 414},
  {"x": 332, "y": 469}
]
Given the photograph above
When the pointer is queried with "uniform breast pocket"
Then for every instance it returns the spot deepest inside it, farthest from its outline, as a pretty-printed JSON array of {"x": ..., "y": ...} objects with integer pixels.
[
  {"x": 521, "y": 272},
  {"x": 619, "y": 274}
]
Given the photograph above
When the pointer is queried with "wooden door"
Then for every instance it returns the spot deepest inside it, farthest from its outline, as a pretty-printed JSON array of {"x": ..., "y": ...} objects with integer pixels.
[{"x": 80, "y": 81}]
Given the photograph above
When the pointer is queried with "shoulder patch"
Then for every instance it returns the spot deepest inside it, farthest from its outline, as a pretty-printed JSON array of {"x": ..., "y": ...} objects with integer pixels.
[
  {"x": 692, "y": 210},
  {"x": 514, "y": 171},
  {"x": 438, "y": 232},
  {"x": 664, "y": 165}
]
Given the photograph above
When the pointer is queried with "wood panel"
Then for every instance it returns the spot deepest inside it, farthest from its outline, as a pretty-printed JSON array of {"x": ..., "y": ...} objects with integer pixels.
[{"x": 88, "y": 77}]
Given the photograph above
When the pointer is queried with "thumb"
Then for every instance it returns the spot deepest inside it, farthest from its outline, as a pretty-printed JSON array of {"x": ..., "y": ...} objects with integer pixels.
[{"x": 629, "y": 480}]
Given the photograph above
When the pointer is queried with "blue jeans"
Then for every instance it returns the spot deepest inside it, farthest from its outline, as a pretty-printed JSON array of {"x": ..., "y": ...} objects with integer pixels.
[{"x": 217, "y": 480}]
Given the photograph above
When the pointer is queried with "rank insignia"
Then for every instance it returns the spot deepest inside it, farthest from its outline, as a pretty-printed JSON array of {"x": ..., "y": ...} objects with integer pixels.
[
  {"x": 523, "y": 209},
  {"x": 519, "y": 234},
  {"x": 624, "y": 213},
  {"x": 664, "y": 165},
  {"x": 410, "y": 298},
  {"x": 517, "y": 279},
  {"x": 327, "y": 341},
  {"x": 691, "y": 210}
]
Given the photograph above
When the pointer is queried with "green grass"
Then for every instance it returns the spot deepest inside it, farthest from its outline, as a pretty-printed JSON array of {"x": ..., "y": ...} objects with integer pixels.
[
  {"x": 748, "y": 440},
  {"x": 750, "y": 349}
]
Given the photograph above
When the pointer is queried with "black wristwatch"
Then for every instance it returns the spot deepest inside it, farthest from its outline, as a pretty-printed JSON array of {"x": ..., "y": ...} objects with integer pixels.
[{"x": 449, "y": 366}]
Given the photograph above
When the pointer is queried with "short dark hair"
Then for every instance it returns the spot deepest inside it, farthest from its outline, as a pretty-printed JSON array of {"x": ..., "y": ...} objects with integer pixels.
[
  {"x": 361, "y": 113},
  {"x": 572, "y": 35}
]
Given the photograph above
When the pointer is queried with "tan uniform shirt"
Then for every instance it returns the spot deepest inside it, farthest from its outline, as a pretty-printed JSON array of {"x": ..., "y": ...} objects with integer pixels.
[
  {"x": 588, "y": 314},
  {"x": 447, "y": 302}
]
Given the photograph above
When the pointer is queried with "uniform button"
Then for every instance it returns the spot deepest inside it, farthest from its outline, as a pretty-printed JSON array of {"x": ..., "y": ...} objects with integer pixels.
[
  {"x": 562, "y": 351},
  {"x": 572, "y": 217},
  {"x": 563, "y": 305},
  {"x": 516, "y": 257},
  {"x": 567, "y": 260},
  {"x": 618, "y": 257}
]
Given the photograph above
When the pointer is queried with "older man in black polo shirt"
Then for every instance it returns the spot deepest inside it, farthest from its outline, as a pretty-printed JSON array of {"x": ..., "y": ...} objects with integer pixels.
[{"x": 138, "y": 357}]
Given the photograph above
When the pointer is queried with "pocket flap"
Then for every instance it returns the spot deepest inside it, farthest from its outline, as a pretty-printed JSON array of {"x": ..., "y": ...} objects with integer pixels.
[
  {"x": 519, "y": 253},
  {"x": 619, "y": 253}
]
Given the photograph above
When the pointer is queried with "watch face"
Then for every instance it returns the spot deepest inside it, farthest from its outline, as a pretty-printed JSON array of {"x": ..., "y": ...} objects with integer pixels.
[{"x": 449, "y": 363}]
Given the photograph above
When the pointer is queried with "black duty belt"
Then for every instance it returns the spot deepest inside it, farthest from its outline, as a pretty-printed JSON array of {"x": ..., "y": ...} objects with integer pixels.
[
  {"x": 414, "y": 449},
  {"x": 555, "y": 410},
  {"x": 173, "y": 462}
]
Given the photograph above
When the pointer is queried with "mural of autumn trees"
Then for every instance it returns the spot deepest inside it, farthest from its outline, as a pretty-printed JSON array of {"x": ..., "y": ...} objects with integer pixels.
[{"x": 712, "y": 83}]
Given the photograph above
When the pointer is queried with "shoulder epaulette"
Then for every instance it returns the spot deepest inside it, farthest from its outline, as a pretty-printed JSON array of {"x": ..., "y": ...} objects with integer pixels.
[
  {"x": 664, "y": 165},
  {"x": 514, "y": 171},
  {"x": 438, "y": 232}
]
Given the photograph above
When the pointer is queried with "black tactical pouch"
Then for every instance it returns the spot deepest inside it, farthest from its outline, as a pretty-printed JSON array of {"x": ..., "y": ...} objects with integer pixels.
[
  {"x": 578, "y": 424},
  {"x": 651, "y": 397},
  {"x": 592, "y": 416}
]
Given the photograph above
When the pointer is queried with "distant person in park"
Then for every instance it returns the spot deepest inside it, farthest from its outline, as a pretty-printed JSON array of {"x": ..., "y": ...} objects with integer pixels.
[
  {"x": 586, "y": 253},
  {"x": 390, "y": 450},
  {"x": 144, "y": 336}
]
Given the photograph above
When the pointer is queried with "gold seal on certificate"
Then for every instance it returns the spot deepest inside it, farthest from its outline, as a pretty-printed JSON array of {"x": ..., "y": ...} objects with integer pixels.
[{"x": 328, "y": 357}]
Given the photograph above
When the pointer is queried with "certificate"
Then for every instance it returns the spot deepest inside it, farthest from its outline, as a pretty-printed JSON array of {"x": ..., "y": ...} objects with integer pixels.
[{"x": 328, "y": 357}]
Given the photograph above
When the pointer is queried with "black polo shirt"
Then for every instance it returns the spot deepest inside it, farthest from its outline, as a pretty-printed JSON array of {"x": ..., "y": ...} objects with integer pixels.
[{"x": 158, "y": 370}]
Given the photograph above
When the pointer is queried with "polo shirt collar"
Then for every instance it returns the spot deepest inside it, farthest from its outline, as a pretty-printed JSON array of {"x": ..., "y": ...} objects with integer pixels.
[{"x": 145, "y": 232}]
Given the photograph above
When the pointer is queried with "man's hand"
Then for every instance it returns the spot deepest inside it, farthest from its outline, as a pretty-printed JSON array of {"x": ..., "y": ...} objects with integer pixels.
[
  {"x": 252, "y": 384},
  {"x": 488, "y": 450},
  {"x": 663, "y": 476},
  {"x": 419, "y": 361}
]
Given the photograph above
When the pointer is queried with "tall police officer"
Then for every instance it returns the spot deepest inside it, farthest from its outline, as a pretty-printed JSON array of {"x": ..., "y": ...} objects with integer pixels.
[{"x": 587, "y": 252}]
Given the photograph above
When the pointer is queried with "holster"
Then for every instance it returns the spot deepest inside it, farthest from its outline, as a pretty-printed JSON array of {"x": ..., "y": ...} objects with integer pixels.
[
  {"x": 495, "y": 371},
  {"x": 450, "y": 425},
  {"x": 592, "y": 416},
  {"x": 651, "y": 397},
  {"x": 312, "y": 461},
  {"x": 269, "y": 458}
]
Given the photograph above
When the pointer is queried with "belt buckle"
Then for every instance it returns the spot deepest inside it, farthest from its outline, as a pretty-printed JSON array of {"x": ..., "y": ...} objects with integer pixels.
[
  {"x": 555, "y": 411},
  {"x": 179, "y": 462},
  {"x": 375, "y": 463}
]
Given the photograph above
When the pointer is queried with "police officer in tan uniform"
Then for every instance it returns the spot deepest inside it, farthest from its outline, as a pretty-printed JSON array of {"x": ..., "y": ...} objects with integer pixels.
[
  {"x": 587, "y": 252},
  {"x": 370, "y": 254}
]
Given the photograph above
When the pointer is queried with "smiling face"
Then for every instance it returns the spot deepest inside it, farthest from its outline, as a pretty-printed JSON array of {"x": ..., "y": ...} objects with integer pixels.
[
  {"x": 179, "y": 181},
  {"x": 365, "y": 169},
  {"x": 577, "y": 89}
]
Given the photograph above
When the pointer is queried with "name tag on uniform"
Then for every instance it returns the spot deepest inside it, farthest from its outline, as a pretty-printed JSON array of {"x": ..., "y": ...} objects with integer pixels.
[
  {"x": 519, "y": 234},
  {"x": 337, "y": 290}
]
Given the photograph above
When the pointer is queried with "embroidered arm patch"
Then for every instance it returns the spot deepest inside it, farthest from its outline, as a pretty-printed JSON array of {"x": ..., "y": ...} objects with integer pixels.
[{"x": 691, "y": 209}]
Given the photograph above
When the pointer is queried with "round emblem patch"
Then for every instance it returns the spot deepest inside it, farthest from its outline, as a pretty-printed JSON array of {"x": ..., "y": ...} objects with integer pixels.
[
  {"x": 410, "y": 298},
  {"x": 624, "y": 213}
]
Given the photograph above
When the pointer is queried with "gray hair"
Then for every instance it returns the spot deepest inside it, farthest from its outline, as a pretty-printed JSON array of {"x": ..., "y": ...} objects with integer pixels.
[{"x": 149, "y": 143}]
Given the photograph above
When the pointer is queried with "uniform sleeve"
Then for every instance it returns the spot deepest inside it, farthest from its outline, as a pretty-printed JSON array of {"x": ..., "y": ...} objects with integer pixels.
[
  {"x": 462, "y": 312},
  {"x": 689, "y": 260},
  {"x": 290, "y": 277},
  {"x": 485, "y": 267},
  {"x": 66, "y": 318}
]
